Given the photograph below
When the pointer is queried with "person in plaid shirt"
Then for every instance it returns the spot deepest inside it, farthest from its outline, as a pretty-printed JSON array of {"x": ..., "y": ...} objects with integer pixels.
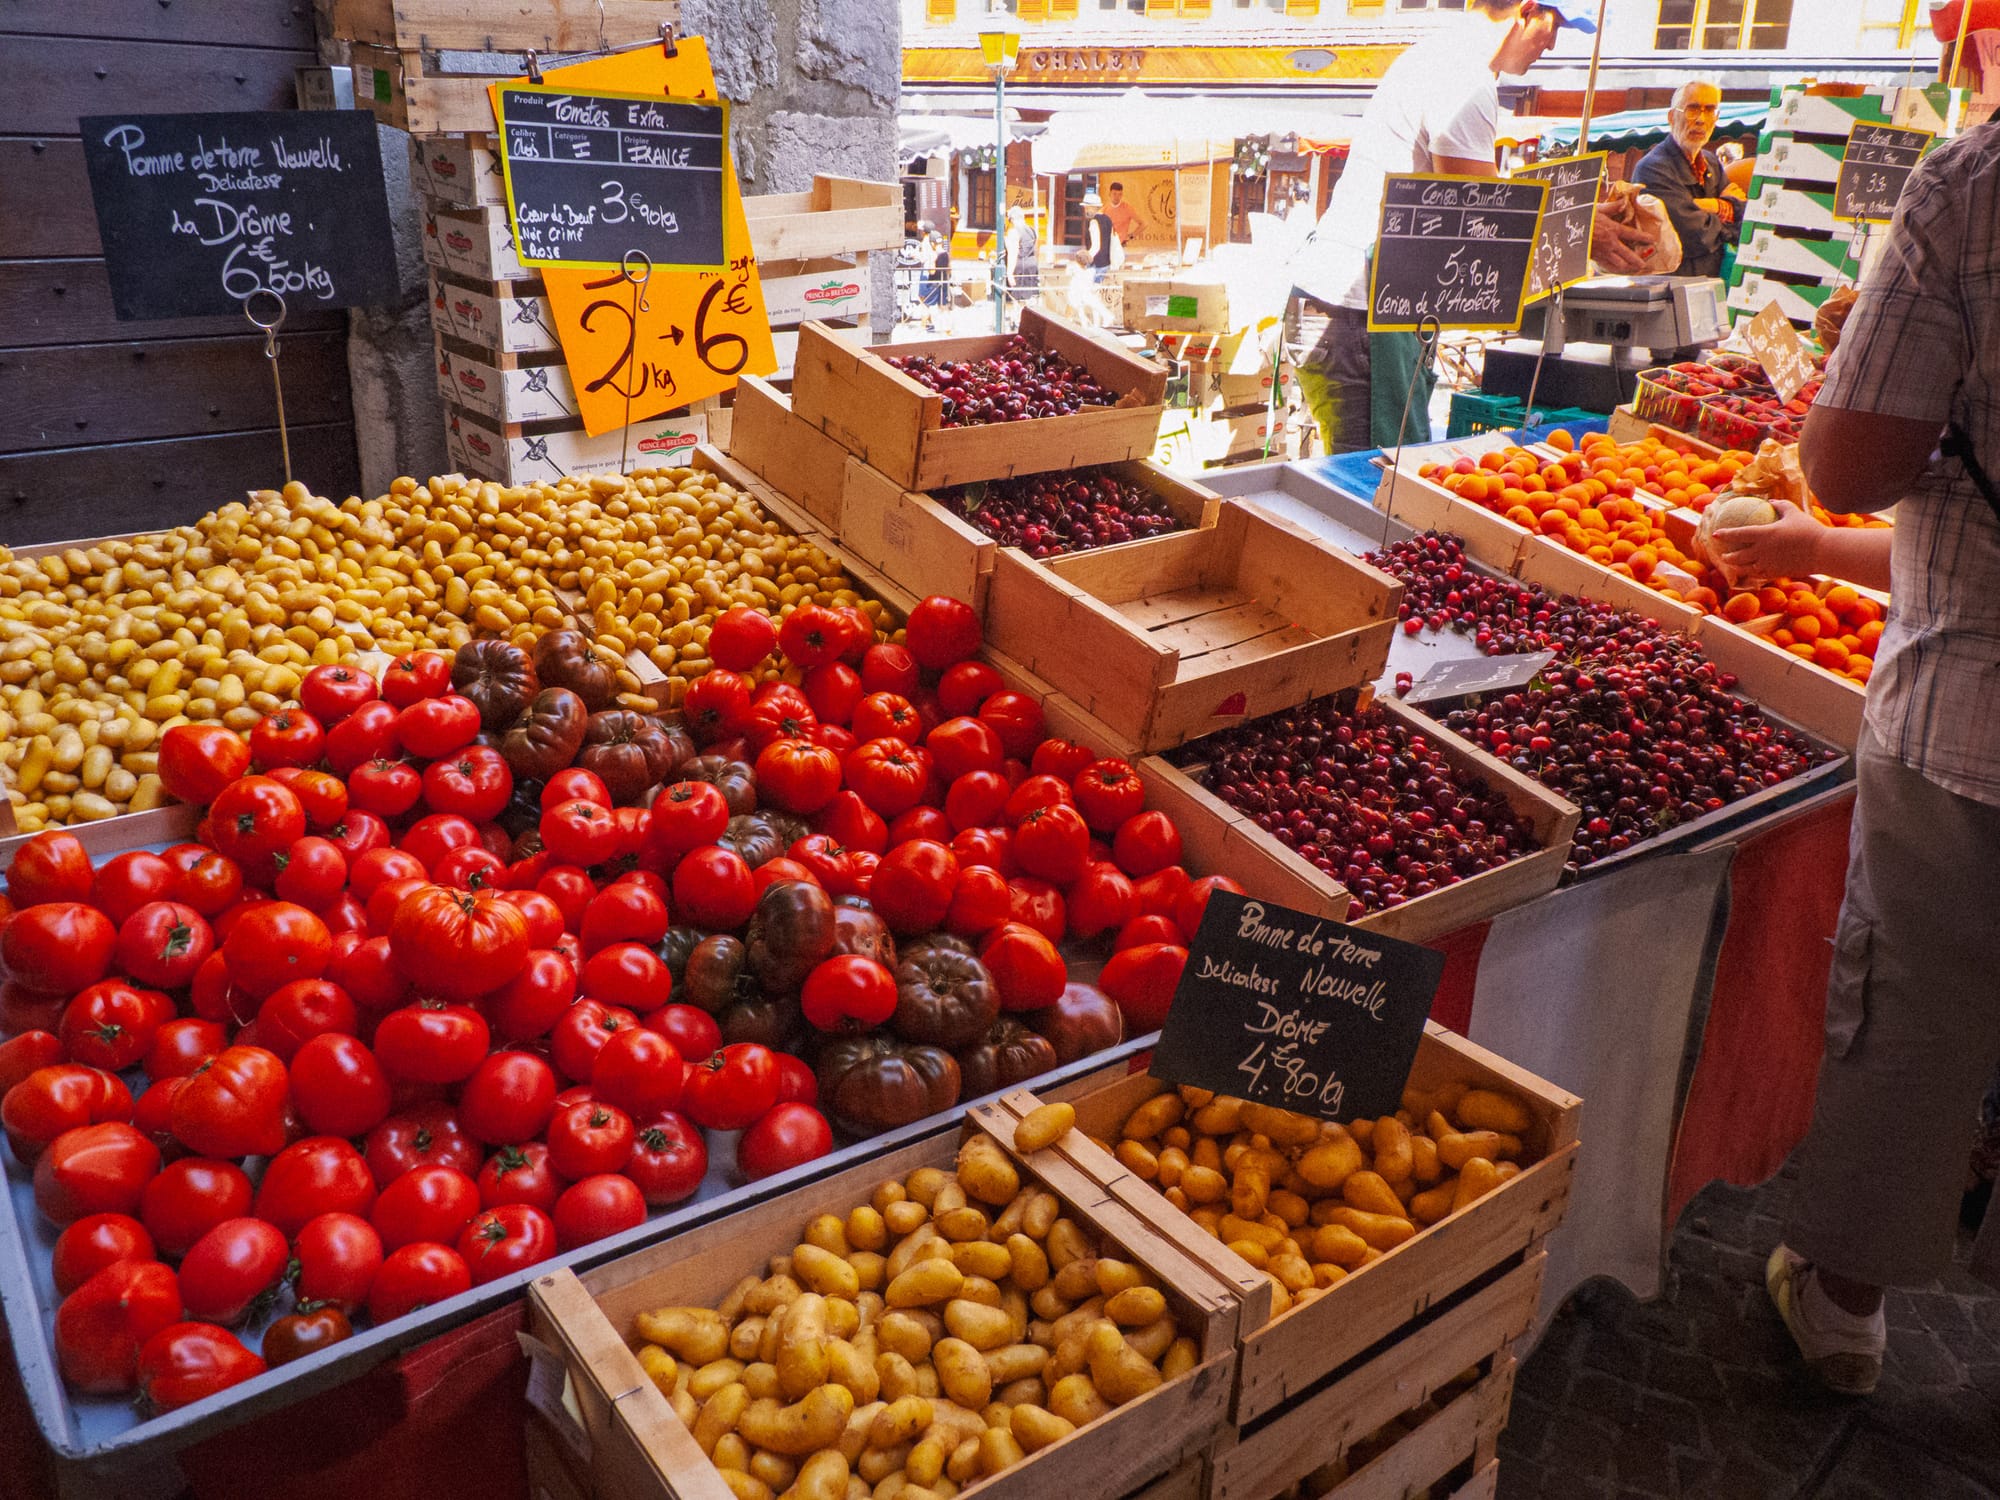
[{"x": 1912, "y": 1014}]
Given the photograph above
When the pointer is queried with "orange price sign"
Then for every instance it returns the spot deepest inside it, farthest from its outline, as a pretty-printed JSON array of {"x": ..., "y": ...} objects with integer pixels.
[{"x": 639, "y": 348}]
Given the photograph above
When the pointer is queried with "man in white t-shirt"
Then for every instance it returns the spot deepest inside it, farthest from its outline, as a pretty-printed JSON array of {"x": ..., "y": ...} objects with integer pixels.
[{"x": 1437, "y": 109}]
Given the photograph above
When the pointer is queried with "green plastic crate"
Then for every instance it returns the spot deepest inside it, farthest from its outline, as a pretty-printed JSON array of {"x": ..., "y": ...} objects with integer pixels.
[{"x": 1475, "y": 411}]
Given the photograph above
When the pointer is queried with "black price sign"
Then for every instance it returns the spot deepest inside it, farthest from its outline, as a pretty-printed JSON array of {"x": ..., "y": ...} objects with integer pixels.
[
  {"x": 1879, "y": 160},
  {"x": 1296, "y": 1011},
  {"x": 593, "y": 177},
  {"x": 1562, "y": 247},
  {"x": 1453, "y": 249},
  {"x": 1479, "y": 674},
  {"x": 200, "y": 213}
]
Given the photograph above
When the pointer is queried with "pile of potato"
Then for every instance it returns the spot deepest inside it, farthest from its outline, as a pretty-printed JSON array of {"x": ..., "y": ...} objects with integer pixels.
[
  {"x": 937, "y": 1334},
  {"x": 104, "y": 647},
  {"x": 1308, "y": 1201}
]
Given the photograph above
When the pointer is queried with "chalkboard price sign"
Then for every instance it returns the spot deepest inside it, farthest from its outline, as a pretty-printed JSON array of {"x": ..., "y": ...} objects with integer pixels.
[
  {"x": 1454, "y": 249},
  {"x": 1296, "y": 1011},
  {"x": 200, "y": 213},
  {"x": 1562, "y": 247},
  {"x": 1879, "y": 160},
  {"x": 592, "y": 177}
]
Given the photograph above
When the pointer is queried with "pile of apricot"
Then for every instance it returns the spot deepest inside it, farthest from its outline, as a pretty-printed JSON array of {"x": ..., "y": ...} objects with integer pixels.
[{"x": 1837, "y": 629}]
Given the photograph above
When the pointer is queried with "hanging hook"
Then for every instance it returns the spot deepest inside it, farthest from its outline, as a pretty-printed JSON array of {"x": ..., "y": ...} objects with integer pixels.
[
  {"x": 534, "y": 67},
  {"x": 640, "y": 276},
  {"x": 667, "y": 43},
  {"x": 636, "y": 266},
  {"x": 271, "y": 353}
]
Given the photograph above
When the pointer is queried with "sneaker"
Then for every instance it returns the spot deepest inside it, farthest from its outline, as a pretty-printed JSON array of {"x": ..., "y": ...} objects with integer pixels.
[{"x": 1843, "y": 1350}]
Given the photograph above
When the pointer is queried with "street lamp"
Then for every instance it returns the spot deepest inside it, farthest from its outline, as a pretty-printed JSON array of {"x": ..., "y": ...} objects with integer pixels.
[{"x": 999, "y": 45}]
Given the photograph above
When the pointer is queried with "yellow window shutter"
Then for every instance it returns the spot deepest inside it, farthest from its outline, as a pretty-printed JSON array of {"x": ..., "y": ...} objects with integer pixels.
[
  {"x": 1301, "y": 7},
  {"x": 940, "y": 10},
  {"x": 1031, "y": 10}
]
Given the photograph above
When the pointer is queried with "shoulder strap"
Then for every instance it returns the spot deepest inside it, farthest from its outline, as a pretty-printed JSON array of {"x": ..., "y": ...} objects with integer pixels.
[{"x": 1957, "y": 444}]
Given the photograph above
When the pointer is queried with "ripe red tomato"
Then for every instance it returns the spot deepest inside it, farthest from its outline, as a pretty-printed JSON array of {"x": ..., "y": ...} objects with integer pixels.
[
  {"x": 209, "y": 882},
  {"x": 693, "y": 1032},
  {"x": 338, "y": 1086},
  {"x": 965, "y": 685},
  {"x": 500, "y": 1241},
  {"x": 474, "y": 783},
  {"x": 597, "y": 1206},
  {"x": 1108, "y": 792},
  {"x": 457, "y": 944},
  {"x": 788, "y": 1135},
  {"x": 848, "y": 993},
  {"x": 1034, "y": 792},
  {"x": 414, "y": 1277},
  {"x": 980, "y": 903},
  {"x": 416, "y": 676},
  {"x": 626, "y": 911},
  {"x": 716, "y": 706},
  {"x": 812, "y": 635},
  {"x": 669, "y": 1159},
  {"x": 629, "y": 975},
  {"x": 369, "y": 733},
  {"x": 387, "y": 788},
  {"x": 366, "y": 968},
  {"x": 833, "y": 689},
  {"x": 233, "y": 1105},
  {"x": 57, "y": 1098},
  {"x": 127, "y": 882},
  {"x": 230, "y": 1268},
  {"x": 323, "y": 796},
  {"x": 535, "y": 999},
  {"x": 275, "y": 943},
  {"x": 59, "y": 947},
  {"x": 741, "y": 637},
  {"x": 198, "y": 760},
  {"x": 92, "y": 1243},
  {"x": 942, "y": 632},
  {"x": 289, "y": 737},
  {"x": 888, "y": 669},
  {"x": 580, "y": 1033},
  {"x": 297, "y": 1334},
  {"x": 508, "y": 1099},
  {"x": 1016, "y": 717},
  {"x": 1052, "y": 843},
  {"x": 1035, "y": 903},
  {"x": 640, "y": 1072},
  {"x": 331, "y": 692},
  {"x": 1060, "y": 758},
  {"x": 191, "y": 1196},
  {"x": 572, "y": 783},
  {"x": 571, "y": 889},
  {"x": 914, "y": 884},
  {"x": 378, "y": 867},
  {"x": 1160, "y": 893},
  {"x": 1148, "y": 927},
  {"x": 590, "y": 1136},
  {"x": 1101, "y": 901},
  {"x": 431, "y": 838},
  {"x": 884, "y": 715},
  {"x": 579, "y": 832},
  {"x": 545, "y": 918},
  {"x": 23, "y": 1054},
  {"x": 975, "y": 799},
  {"x": 425, "y": 1204},
  {"x": 339, "y": 1255},
  {"x": 94, "y": 1169},
  {"x": 778, "y": 871},
  {"x": 729, "y": 1089},
  {"x": 188, "y": 1362},
  {"x": 1026, "y": 968},
  {"x": 470, "y": 869},
  {"x": 163, "y": 943},
  {"x": 1146, "y": 843},
  {"x": 51, "y": 866},
  {"x": 797, "y": 776},
  {"x": 101, "y": 1325},
  {"x": 312, "y": 873},
  {"x": 317, "y": 1175},
  {"x": 1193, "y": 904},
  {"x": 686, "y": 816},
  {"x": 964, "y": 744},
  {"x": 991, "y": 847},
  {"x": 520, "y": 1174},
  {"x": 255, "y": 820},
  {"x": 1142, "y": 980},
  {"x": 182, "y": 1045},
  {"x": 436, "y": 727},
  {"x": 887, "y": 774},
  {"x": 797, "y": 1083},
  {"x": 432, "y": 1041},
  {"x": 713, "y": 889},
  {"x": 111, "y": 1024},
  {"x": 421, "y": 1135}
]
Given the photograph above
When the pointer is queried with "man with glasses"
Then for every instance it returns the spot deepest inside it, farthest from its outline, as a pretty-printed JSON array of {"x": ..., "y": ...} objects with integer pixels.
[{"x": 1688, "y": 179}]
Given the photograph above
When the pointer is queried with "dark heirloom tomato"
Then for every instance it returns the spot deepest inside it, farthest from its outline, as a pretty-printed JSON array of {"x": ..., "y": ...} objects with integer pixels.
[
  {"x": 735, "y": 779},
  {"x": 716, "y": 973},
  {"x": 1009, "y": 1053},
  {"x": 859, "y": 930},
  {"x": 563, "y": 658},
  {"x": 102, "y": 1324},
  {"x": 56, "y": 1098},
  {"x": 60, "y": 947},
  {"x": 458, "y": 944},
  {"x": 499, "y": 679},
  {"x": 51, "y": 866},
  {"x": 547, "y": 735},
  {"x": 944, "y": 995},
  {"x": 315, "y": 1326},
  {"x": 233, "y": 1105},
  {"x": 198, "y": 760},
  {"x": 631, "y": 751},
  {"x": 669, "y": 1159},
  {"x": 1084, "y": 1020},
  {"x": 876, "y": 1082},
  {"x": 790, "y": 932}
]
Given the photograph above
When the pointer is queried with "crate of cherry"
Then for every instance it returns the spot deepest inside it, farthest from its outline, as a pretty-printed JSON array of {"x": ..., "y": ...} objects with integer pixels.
[{"x": 951, "y": 411}]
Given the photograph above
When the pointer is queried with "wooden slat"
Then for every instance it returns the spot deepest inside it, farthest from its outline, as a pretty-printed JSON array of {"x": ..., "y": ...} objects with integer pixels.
[
  {"x": 916, "y": 541},
  {"x": 1468, "y": 1427},
  {"x": 1217, "y": 631},
  {"x": 45, "y": 199},
  {"x": 506, "y": 25},
  {"x": 67, "y": 492},
  {"x": 283, "y": 24},
  {"x": 65, "y": 397},
  {"x": 1221, "y": 655},
  {"x": 53, "y": 80},
  {"x": 1177, "y": 606},
  {"x": 795, "y": 457},
  {"x": 49, "y": 302}
]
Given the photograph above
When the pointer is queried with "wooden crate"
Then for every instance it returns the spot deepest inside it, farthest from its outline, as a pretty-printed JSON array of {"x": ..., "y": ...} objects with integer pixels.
[
  {"x": 838, "y": 216},
  {"x": 795, "y": 457},
  {"x": 519, "y": 452},
  {"x": 459, "y": 171},
  {"x": 1180, "y": 635},
  {"x": 1266, "y": 866},
  {"x": 506, "y": 389},
  {"x": 923, "y": 543},
  {"x": 639, "y": 1448},
  {"x": 475, "y": 243},
  {"x": 1478, "y": 1269},
  {"x": 1825, "y": 704},
  {"x": 549, "y": 26},
  {"x": 391, "y": 83},
  {"x": 852, "y": 394},
  {"x": 500, "y": 317},
  {"x": 1416, "y": 502}
]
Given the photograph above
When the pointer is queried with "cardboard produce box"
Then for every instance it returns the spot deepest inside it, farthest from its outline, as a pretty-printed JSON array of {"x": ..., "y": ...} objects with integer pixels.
[{"x": 1176, "y": 305}]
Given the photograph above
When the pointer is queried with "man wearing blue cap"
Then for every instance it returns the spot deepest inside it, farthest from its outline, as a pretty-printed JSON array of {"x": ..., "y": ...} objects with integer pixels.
[{"x": 1437, "y": 109}]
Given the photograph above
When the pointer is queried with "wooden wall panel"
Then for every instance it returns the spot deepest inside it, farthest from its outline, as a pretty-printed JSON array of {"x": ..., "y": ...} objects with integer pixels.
[
  {"x": 45, "y": 198},
  {"x": 51, "y": 81},
  {"x": 46, "y": 302},
  {"x": 286, "y": 24}
]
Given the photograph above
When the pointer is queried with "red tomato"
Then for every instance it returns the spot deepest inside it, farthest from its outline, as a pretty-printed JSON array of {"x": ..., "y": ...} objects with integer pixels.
[
  {"x": 56, "y": 1098},
  {"x": 630, "y": 975},
  {"x": 198, "y": 760},
  {"x": 1108, "y": 792},
  {"x": 500, "y": 1241},
  {"x": 1146, "y": 843},
  {"x": 338, "y": 1086},
  {"x": 289, "y": 737},
  {"x": 965, "y": 685},
  {"x": 1034, "y": 792},
  {"x": 339, "y": 1255},
  {"x": 127, "y": 882},
  {"x": 942, "y": 632},
  {"x": 190, "y": 1197},
  {"x": 545, "y": 918},
  {"x": 991, "y": 847},
  {"x": 369, "y": 733},
  {"x": 729, "y": 1089},
  {"x": 1060, "y": 758},
  {"x": 797, "y": 775},
  {"x": 1016, "y": 717},
  {"x": 778, "y": 871},
  {"x": 788, "y": 1135},
  {"x": 508, "y": 1099},
  {"x": 422, "y": 1135},
  {"x": 574, "y": 783},
  {"x": 456, "y": 944},
  {"x": 416, "y": 676},
  {"x": 1193, "y": 904},
  {"x": 693, "y": 1032},
  {"x": 437, "y": 727},
  {"x": 182, "y": 1045},
  {"x": 797, "y": 1083},
  {"x": 203, "y": 879},
  {"x": 475, "y": 783},
  {"x": 1035, "y": 903},
  {"x": 153, "y": 1116},
  {"x": 979, "y": 904},
  {"x": 188, "y": 1362},
  {"x": 387, "y": 788},
  {"x": 323, "y": 797},
  {"x": 839, "y": 870},
  {"x": 741, "y": 637},
  {"x": 1142, "y": 980},
  {"x": 1026, "y": 968},
  {"x": 297, "y": 1334},
  {"x": 520, "y": 1174},
  {"x": 414, "y": 1277},
  {"x": 883, "y": 715},
  {"x": 94, "y": 1169},
  {"x": 51, "y": 866},
  {"x": 580, "y": 1034},
  {"x": 469, "y": 869},
  {"x": 231, "y": 1267},
  {"x": 713, "y": 889},
  {"x": 640, "y": 1072},
  {"x": 1160, "y": 893},
  {"x": 579, "y": 832},
  {"x": 433, "y": 1041},
  {"x": 887, "y": 774},
  {"x": 91, "y": 1244},
  {"x": 367, "y": 970},
  {"x": 1052, "y": 843},
  {"x": 274, "y": 944},
  {"x": 425, "y": 1204},
  {"x": 833, "y": 690},
  {"x": 975, "y": 799},
  {"x": 431, "y": 838},
  {"x": 312, "y": 873},
  {"x": 255, "y": 820},
  {"x": 595, "y": 1207},
  {"x": 848, "y": 993},
  {"x": 111, "y": 1024},
  {"x": 317, "y": 1175},
  {"x": 686, "y": 816},
  {"x": 163, "y": 943},
  {"x": 1101, "y": 901},
  {"x": 888, "y": 669},
  {"x": 535, "y": 999},
  {"x": 812, "y": 635},
  {"x": 716, "y": 706},
  {"x": 375, "y": 869},
  {"x": 233, "y": 1105},
  {"x": 590, "y": 1136},
  {"x": 669, "y": 1159},
  {"x": 331, "y": 692},
  {"x": 964, "y": 744},
  {"x": 571, "y": 889},
  {"x": 1149, "y": 927},
  {"x": 913, "y": 885},
  {"x": 853, "y": 823},
  {"x": 345, "y": 917},
  {"x": 102, "y": 1324},
  {"x": 23, "y": 1054},
  {"x": 623, "y": 912},
  {"x": 59, "y": 947}
]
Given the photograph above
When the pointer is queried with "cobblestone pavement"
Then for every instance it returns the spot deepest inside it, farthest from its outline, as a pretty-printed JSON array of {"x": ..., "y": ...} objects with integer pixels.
[{"x": 1699, "y": 1396}]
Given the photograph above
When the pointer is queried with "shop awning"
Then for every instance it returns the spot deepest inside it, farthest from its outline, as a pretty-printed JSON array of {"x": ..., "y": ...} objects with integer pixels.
[
  {"x": 935, "y": 135},
  {"x": 1139, "y": 130},
  {"x": 1633, "y": 127}
]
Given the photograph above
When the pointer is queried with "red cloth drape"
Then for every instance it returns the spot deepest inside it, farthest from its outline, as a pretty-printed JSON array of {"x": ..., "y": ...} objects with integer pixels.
[{"x": 1453, "y": 1006}]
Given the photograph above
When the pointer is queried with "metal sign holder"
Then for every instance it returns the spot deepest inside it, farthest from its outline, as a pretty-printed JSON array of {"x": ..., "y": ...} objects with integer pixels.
[
  {"x": 637, "y": 268},
  {"x": 1428, "y": 333},
  {"x": 270, "y": 331}
]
